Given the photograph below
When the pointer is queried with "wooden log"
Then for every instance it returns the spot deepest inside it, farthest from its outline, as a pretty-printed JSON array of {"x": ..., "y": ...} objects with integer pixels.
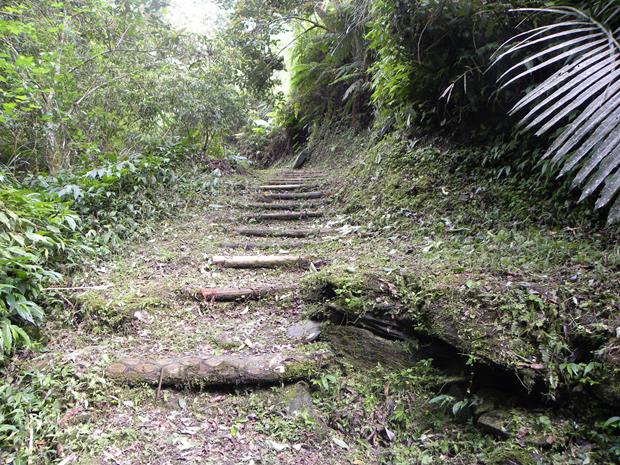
[
  {"x": 292, "y": 196},
  {"x": 259, "y": 261},
  {"x": 287, "y": 187},
  {"x": 230, "y": 369},
  {"x": 286, "y": 216},
  {"x": 263, "y": 245},
  {"x": 292, "y": 179},
  {"x": 268, "y": 232},
  {"x": 276, "y": 181},
  {"x": 226, "y": 294},
  {"x": 296, "y": 176},
  {"x": 282, "y": 206}
]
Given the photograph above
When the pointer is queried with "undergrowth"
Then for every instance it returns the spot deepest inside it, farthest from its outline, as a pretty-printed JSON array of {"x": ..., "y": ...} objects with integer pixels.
[{"x": 505, "y": 270}]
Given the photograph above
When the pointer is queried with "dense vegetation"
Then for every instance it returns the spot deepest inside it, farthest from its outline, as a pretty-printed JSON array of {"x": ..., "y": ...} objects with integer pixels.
[
  {"x": 101, "y": 104},
  {"x": 110, "y": 117}
]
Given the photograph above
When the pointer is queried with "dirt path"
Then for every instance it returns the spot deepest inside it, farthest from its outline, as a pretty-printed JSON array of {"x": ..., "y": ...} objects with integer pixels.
[{"x": 148, "y": 313}]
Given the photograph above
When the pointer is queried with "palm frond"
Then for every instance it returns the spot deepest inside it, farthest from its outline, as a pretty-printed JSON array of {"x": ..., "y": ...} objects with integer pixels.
[{"x": 580, "y": 96}]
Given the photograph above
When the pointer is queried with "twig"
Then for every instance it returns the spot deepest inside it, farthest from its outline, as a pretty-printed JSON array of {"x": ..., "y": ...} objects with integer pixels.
[
  {"x": 97, "y": 288},
  {"x": 161, "y": 377}
]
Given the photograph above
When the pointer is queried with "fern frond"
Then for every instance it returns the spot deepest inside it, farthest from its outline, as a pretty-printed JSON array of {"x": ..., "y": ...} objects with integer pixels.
[{"x": 581, "y": 98}]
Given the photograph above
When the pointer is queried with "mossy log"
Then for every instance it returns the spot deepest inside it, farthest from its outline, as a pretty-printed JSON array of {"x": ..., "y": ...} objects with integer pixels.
[
  {"x": 292, "y": 196},
  {"x": 268, "y": 232},
  {"x": 283, "y": 206},
  {"x": 285, "y": 216},
  {"x": 259, "y": 261},
  {"x": 219, "y": 370},
  {"x": 227, "y": 294},
  {"x": 288, "y": 187}
]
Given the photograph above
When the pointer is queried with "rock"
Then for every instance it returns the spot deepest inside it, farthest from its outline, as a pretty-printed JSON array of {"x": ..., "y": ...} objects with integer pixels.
[
  {"x": 302, "y": 158},
  {"x": 608, "y": 389},
  {"x": 143, "y": 317},
  {"x": 307, "y": 330},
  {"x": 493, "y": 422},
  {"x": 530, "y": 428},
  {"x": 363, "y": 349},
  {"x": 299, "y": 400}
]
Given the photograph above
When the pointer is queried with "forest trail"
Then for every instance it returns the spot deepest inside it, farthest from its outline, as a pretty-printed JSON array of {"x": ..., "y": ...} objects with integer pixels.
[{"x": 215, "y": 296}]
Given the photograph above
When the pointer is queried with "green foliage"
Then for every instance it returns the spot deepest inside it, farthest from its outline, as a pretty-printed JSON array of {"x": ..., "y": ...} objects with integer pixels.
[
  {"x": 35, "y": 231},
  {"x": 582, "y": 49},
  {"x": 32, "y": 405},
  {"x": 431, "y": 58},
  {"x": 114, "y": 197},
  {"x": 329, "y": 64},
  {"x": 90, "y": 79}
]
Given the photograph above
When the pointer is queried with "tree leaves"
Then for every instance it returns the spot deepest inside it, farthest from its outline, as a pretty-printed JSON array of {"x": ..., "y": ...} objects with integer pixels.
[{"x": 581, "y": 98}]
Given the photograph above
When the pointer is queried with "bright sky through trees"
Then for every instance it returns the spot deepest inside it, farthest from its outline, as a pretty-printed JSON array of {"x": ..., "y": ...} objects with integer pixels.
[{"x": 199, "y": 16}]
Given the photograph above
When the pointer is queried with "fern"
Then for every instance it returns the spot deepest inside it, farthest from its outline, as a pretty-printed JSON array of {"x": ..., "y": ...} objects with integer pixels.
[{"x": 579, "y": 56}]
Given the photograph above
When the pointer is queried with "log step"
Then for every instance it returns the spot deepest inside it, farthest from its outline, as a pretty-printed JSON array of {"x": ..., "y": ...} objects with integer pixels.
[
  {"x": 225, "y": 294},
  {"x": 268, "y": 232},
  {"x": 292, "y": 196},
  {"x": 259, "y": 261},
  {"x": 285, "y": 216},
  {"x": 282, "y": 206},
  {"x": 219, "y": 370},
  {"x": 264, "y": 245},
  {"x": 295, "y": 171},
  {"x": 287, "y": 187}
]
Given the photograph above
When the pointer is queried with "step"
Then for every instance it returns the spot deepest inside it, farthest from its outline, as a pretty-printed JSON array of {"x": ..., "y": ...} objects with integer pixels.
[
  {"x": 268, "y": 232},
  {"x": 282, "y": 206},
  {"x": 287, "y": 187},
  {"x": 217, "y": 370},
  {"x": 292, "y": 196},
  {"x": 227, "y": 294},
  {"x": 265, "y": 245},
  {"x": 259, "y": 261},
  {"x": 285, "y": 216}
]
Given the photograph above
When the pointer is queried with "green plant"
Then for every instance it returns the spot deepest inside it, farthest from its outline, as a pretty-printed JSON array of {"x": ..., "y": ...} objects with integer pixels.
[
  {"x": 35, "y": 231},
  {"x": 33, "y": 410},
  {"x": 580, "y": 99}
]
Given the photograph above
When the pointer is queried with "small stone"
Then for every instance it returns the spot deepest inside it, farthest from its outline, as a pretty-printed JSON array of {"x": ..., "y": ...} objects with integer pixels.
[
  {"x": 493, "y": 422},
  {"x": 307, "y": 330},
  {"x": 299, "y": 400}
]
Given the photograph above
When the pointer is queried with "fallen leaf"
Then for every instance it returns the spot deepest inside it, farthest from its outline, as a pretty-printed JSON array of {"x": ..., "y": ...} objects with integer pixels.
[
  {"x": 277, "y": 446},
  {"x": 340, "y": 443}
]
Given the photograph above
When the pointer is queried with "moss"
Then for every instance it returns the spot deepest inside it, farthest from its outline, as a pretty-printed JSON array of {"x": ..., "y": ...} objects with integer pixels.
[
  {"x": 99, "y": 313},
  {"x": 510, "y": 455}
]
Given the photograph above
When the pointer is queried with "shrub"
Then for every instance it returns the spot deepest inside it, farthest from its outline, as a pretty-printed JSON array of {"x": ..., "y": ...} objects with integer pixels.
[{"x": 35, "y": 231}]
